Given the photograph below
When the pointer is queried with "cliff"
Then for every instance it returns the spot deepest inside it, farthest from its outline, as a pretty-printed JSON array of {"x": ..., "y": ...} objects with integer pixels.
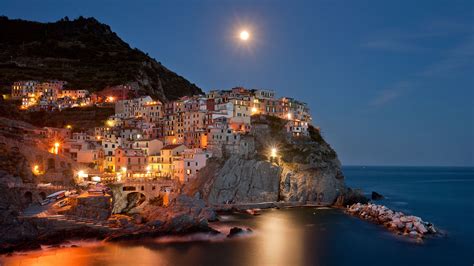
[
  {"x": 85, "y": 53},
  {"x": 307, "y": 170}
]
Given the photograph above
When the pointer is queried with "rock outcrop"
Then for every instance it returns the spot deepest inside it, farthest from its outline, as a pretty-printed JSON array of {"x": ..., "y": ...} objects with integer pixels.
[
  {"x": 307, "y": 170},
  {"x": 183, "y": 215},
  {"x": 92, "y": 207},
  {"x": 241, "y": 180}
]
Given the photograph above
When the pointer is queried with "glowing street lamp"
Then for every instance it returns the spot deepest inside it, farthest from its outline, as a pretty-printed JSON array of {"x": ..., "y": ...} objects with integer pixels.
[
  {"x": 289, "y": 116},
  {"x": 254, "y": 110},
  {"x": 273, "y": 153},
  {"x": 68, "y": 126},
  {"x": 56, "y": 148},
  {"x": 122, "y": 174},
  {"x": 36, "y": 170},
  {"x": 110, "y": 123}
]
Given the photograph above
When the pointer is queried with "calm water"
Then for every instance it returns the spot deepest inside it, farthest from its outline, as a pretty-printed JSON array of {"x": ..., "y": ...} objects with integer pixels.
[{"x": 308, "y": 236}]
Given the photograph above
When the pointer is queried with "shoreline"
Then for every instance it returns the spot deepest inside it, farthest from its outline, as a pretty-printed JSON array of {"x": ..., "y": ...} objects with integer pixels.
[
  {"x": 267, "y": 205},
  {"x": 84, "y": 232}
]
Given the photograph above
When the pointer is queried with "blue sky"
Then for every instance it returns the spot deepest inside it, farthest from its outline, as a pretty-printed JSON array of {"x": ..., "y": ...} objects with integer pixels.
[{"x": 389, "y": 83}]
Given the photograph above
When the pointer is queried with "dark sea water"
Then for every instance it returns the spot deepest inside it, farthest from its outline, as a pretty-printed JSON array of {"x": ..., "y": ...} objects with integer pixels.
[{"x": 310, "y": 236}]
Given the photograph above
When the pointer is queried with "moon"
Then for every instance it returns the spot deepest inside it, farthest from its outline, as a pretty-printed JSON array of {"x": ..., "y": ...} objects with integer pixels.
[{"x": 244, "y": 35}]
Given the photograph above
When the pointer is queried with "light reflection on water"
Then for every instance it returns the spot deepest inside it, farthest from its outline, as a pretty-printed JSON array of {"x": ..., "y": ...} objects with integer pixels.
[
  {"x": 309, "y": 236},
  {"x": 278, "y": 235},
  {"x": 277, "y": 239}
]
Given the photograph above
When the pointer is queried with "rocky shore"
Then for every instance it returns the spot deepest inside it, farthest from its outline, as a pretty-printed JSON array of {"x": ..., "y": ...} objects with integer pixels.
[{"x": 407, "y": 225}]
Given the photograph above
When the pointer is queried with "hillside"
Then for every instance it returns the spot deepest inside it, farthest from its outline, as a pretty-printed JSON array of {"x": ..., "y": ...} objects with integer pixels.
[{"x": 85, "y": 53}]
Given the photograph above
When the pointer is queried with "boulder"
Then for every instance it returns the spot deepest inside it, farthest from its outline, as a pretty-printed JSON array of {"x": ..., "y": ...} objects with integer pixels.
[
  {"x": 352, "y": 196},
  {"x": 236, "y": 231},
  {"x": 376, "y": 196},
  {"x": 422, "y": 229}
]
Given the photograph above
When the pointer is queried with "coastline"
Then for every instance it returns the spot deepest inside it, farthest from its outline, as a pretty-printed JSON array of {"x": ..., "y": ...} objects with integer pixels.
[{"x": 59, "y": 235}]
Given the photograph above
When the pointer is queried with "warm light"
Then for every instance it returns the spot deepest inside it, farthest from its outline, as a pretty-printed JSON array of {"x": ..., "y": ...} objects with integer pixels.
[
  {"x": 110, "y": 99},
  {"x": 174, "y": 141},
  {"x": 254, "y": 110},
  {"x": 68, "y": 126},
  {"x": 82, "y": 174},
  {"x": 124, "y": 169},
  {"x": 119, "y": 177},
  {"x": 273, "y": 152},
  {"x": 148, "y": 168},
  {"x": 55, "y": 148},
  {"x": 110, "y": 123},
  {"x": 36, "y": 170},
  {"x": 244, "y": 35},
  {"x": 289, "y": 116},
  {"x": 98, "y": 137}
]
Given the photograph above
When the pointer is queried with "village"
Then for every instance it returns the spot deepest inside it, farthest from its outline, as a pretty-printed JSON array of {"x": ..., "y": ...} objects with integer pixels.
[{"x": 147, "y": 140}]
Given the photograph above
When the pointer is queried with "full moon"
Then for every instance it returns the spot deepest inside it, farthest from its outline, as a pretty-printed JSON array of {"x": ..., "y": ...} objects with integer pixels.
[{"x": 244, "y": 35}]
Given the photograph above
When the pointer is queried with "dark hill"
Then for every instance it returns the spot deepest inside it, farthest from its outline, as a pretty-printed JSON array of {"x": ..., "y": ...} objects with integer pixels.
[{"x": 84, "y": 52}]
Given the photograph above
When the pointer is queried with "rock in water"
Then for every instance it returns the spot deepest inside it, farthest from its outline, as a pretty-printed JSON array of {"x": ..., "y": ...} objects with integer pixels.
[
  {"x": 377, "y": 196},
  {"x": 409, "y": 225},
  {"x": 235, "y": 231}
]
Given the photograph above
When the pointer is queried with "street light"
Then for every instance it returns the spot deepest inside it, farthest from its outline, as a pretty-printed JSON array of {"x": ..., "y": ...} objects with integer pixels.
[
  {"x": 36, "y": 170},
  {"x": 56, "y": 148},
  {"x": 110, "y": 123},
  {"x": 273, "y": 152}
]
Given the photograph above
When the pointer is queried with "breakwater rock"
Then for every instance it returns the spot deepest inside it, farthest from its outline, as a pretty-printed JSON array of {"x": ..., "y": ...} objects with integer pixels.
[{"x": 399, "y": 222}]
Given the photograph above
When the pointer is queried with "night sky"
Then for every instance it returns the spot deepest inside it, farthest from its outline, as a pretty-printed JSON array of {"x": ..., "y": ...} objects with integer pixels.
[{"x": 388, "y": 83}]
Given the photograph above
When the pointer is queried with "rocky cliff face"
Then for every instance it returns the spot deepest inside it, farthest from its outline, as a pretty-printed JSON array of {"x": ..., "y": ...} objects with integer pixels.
[
  {"x": 243, "y": 180},
  {"x": 85, "y": 53},
  {"x": 307, "y": 170}
]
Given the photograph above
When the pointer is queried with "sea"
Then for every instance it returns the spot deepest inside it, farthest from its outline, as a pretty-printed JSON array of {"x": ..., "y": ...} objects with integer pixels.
[{"x": 310, "y": 236}]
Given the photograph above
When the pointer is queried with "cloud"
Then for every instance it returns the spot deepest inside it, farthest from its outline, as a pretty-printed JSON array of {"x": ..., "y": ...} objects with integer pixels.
[
  {"x": 455, "y": 59},
  {"x": 411, "y": 39},
  {"x": 391, "y": 45},
  {"x": 389, "y": 95},
  {"x": 385, "y": 97}
]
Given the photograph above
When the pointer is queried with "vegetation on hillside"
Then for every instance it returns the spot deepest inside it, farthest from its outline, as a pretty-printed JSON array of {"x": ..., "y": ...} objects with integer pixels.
[
  {"x": 80, "y": 118},
  {"x": 85, "y": 53}
]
